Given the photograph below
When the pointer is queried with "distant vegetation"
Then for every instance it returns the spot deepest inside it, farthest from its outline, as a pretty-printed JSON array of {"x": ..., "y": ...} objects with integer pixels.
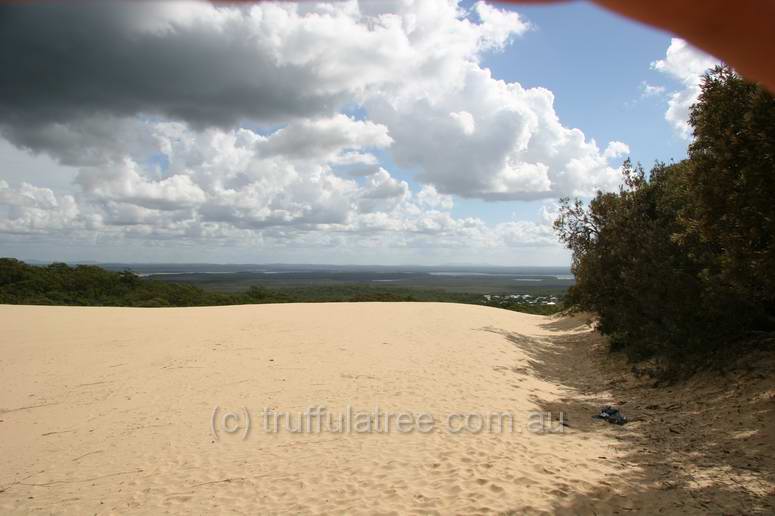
[
  {"x": 89, "y": 285},
  {"x": 680, "y": 263}
]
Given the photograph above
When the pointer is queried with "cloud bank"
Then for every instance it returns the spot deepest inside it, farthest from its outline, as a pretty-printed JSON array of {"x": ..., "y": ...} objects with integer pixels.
[{"x": 269, "y": 124}]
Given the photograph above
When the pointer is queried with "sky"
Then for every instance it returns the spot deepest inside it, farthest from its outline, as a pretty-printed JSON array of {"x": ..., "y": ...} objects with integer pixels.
[{"x": 355, "y": 132}]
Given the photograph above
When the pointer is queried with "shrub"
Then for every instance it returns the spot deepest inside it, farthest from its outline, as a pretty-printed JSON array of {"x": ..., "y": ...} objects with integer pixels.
[{"x": 681, "y": 263}]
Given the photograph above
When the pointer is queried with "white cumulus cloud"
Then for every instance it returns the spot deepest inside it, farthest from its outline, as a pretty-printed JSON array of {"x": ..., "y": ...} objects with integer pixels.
[{"x": 687, "y": 65}]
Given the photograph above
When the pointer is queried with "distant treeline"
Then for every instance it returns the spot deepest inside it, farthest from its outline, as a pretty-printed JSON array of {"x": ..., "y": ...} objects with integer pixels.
[
  {"x": 680, "y": 263},
  {"x": 89, "y": 285}
]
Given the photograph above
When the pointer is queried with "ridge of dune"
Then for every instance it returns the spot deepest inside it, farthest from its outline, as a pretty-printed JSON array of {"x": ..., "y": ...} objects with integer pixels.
[{"x": 120, "y": 410}]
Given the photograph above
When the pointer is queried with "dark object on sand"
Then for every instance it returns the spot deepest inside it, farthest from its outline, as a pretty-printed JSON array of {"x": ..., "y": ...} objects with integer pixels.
[{"x": 612, "y": 415}]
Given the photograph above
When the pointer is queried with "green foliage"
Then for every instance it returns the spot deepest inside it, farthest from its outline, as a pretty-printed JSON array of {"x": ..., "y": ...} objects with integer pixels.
[
  {"x": 87, "y": 285},
  {"x": 681, "y": 263},
  {"x": 731, "y": 221}
]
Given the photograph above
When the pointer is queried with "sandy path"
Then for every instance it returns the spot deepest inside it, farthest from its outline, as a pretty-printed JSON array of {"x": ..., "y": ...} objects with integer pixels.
[{"x": 109, "y": 410}]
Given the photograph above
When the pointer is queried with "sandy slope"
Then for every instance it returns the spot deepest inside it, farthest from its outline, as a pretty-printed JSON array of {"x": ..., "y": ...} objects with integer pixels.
[{"x": 111, "y": 411}]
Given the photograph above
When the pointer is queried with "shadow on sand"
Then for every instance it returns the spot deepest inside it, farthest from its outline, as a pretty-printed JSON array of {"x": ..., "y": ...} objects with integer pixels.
[{"x": 706, "y": 446}]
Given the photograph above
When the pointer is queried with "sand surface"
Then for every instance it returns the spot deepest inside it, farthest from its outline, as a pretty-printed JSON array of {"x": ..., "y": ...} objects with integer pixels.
[{"x": 113, "y": 410}]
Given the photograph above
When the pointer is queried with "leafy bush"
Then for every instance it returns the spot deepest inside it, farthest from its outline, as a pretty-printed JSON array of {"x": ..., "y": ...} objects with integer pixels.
[{"x": 680, "y": 264}]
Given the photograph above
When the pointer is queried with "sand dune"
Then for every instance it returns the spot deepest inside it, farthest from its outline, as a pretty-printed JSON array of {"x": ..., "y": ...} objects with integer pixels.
[{"x": 109, "y": 410}]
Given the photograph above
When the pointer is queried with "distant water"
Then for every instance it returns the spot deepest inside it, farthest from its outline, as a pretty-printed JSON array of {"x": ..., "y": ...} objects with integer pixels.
[
  {"x": 470, "y": 274},
  {"x": 518, "y": 277},
  {"x": 145, "y": 274}
]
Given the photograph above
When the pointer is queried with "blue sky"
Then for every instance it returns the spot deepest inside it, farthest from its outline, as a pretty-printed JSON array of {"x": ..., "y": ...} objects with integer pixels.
[{"x": 595, "y": 63}]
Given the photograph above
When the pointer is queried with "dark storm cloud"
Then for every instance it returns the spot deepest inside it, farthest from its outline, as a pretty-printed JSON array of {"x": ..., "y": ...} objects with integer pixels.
[{"x": 61, "y": 64}]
